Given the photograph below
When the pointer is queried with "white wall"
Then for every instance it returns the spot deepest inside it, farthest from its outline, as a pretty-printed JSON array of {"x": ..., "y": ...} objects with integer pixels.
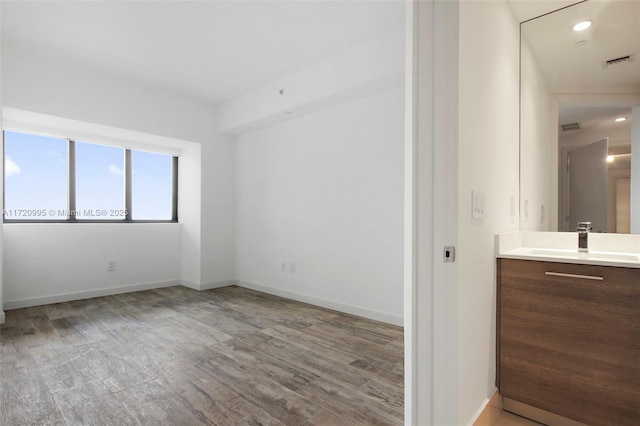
[
  {"x": 207, "y": 212},
  {"x": 369, "y": 67},
  {"x": 635, "y": 168},
  {"x": 43, "y": 83},
  {"x": 538, "y": 163},
  {"x": 488, "y": 161},
  {"x": 190, "y": 213},
  {"x": 326, "y": 191},
  {"x": 432, "y": 187},
  {"x": 1, "y": 174},
  {"x": 218, "y": 212},
  {"x": 47, "y": 263}
]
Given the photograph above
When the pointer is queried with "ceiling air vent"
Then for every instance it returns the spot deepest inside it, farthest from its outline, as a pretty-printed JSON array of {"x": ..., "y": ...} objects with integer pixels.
[
  {"x": 618, "y": 61},
  {"x": 570, "y": 126}
]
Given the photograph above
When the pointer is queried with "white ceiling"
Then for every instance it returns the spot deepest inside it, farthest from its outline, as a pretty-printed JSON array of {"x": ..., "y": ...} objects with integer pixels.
[
  {"x": 597, "y": 123},
  {"x": 529, "y": 9},
  {"x": 570, "y": 68},
  {"x": 212, "y": 50},
  {"x": 578, "y": 70},
  {"x": 594, "y": 120}
]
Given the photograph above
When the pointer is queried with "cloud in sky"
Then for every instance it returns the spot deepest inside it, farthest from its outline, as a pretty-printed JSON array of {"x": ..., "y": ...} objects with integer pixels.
[
  {"x": 115, "y": 170},
  {"x": 10, "y": 167}
]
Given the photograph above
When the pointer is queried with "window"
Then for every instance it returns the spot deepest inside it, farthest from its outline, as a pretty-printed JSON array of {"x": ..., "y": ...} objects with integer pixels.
[
  {"x": 99, "y": 182},
  {"x": 35, "y": 169},
  {"x": 51, "y": 179},
  {"x": 151, "y": 182}
]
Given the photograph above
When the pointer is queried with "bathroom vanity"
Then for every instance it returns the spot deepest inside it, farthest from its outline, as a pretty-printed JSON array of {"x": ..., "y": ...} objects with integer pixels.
[{"x": 568, "y": 330}]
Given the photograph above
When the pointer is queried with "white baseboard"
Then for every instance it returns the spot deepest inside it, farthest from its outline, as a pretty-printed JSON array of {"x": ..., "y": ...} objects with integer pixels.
[
  {"x": 88, "y": 294},
  {"x": 190, "y": 284},
  {"x": 488, "y": 412},
  {"x": 207, "y": 286},
  {"x": 329, "y": 304}
]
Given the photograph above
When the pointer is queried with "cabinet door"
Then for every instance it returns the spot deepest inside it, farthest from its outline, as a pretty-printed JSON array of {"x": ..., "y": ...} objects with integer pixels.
[{"x": 569, "y": 344}]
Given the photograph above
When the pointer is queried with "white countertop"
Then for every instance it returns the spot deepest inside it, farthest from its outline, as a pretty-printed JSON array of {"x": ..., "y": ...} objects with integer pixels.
[
  {"x": 602, "y": 258},
  {"x": 605, "y": 250}
]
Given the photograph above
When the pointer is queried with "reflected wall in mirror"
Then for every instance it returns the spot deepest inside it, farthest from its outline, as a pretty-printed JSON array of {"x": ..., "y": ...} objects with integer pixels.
[{"x": 575, "y": 159}]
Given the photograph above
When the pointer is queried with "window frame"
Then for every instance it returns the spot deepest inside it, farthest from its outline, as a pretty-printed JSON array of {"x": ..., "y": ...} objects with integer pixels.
[{"x": 71, "y": 187}]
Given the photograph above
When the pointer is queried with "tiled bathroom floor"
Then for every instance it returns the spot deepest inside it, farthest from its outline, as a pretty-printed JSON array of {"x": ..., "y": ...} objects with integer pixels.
[
  {"x": 494, "y": 415},
  {"x": 508, "y": 419}
]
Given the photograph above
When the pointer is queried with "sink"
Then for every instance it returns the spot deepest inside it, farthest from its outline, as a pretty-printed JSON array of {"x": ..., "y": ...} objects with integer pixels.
[
  {"x": 552, "y": 252},
  {"x": 593, "y": 255}
]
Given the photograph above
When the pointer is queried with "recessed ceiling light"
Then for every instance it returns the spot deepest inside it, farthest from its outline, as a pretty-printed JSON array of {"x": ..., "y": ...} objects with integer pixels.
[
  {"x": 620, "y": 119},
  {"x": 581, "y": 26},
  {"x": 610, "y": 159}
]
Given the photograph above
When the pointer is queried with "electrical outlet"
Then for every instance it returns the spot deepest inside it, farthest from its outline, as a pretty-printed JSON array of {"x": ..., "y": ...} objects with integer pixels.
[
  {"x": 111, "y": 265},
  {"x": 284, "y": 266},
  {"x": 292, "y": 267}
]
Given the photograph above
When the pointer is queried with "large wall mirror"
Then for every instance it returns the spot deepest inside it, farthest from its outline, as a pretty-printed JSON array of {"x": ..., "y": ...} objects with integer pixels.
[{"x": 580, "y": 118}]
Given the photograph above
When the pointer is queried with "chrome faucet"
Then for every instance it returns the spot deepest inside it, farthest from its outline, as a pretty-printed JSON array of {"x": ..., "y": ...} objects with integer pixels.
[{"x": 583, "y": 234}]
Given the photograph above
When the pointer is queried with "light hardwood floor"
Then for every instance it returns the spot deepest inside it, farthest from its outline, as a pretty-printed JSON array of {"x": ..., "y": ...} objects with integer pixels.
[
  {"x": 177, "y": 356},
  {"x": 500, "y": 417},
  {"x": 494, "y": 415},
  {"x": 509, "y": 419}
]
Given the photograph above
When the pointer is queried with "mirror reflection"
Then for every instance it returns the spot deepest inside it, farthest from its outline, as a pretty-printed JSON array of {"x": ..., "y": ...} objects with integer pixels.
[
  {"x": 594, "y": 146},
  {"x": 580, "y": 98}
]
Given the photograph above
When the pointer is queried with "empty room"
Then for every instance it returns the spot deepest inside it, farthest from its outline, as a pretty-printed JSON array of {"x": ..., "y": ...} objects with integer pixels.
[{"x": 203, "y": 213}]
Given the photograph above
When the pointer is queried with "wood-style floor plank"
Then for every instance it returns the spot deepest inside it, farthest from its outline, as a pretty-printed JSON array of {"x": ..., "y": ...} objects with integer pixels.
[
  {"x": 176, "y": 356},
  {"x": 92, "y": 403}
]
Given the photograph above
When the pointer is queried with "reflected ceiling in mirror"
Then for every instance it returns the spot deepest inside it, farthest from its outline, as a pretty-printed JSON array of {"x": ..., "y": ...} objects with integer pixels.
[
  {"x": 574, "y": 84},
  {"x": 601, "y": 59},
  {"x": 580, "y": 124}
]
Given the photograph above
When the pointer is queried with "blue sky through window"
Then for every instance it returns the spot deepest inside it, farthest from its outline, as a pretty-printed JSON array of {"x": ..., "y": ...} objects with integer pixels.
[
  {"x": 152, "y": 186},
  {"x": 35, "y": 177},
  {"x": 99, "y": 182},
  {"x": 36, "y": 172}
]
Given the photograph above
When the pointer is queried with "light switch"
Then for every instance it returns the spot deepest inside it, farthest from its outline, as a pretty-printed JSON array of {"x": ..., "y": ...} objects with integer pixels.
[{"x": 478, "y": 204}]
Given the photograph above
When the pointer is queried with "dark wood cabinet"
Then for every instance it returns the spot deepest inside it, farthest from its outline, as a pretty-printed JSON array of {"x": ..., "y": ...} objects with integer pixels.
[{"x": 568, "y": 339}]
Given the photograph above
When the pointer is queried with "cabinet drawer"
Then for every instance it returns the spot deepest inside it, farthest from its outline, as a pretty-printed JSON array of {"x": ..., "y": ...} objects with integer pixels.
[{"x": 569, "y": 339}]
